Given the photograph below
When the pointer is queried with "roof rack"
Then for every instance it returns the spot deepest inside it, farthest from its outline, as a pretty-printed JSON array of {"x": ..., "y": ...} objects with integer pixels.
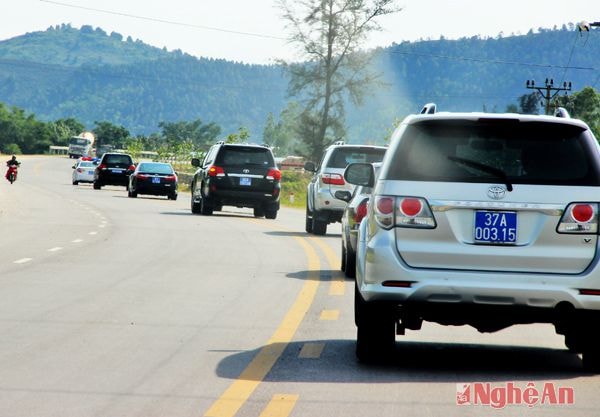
[
  {"x": 429, "y": 108},
  {"x": 562, "y": 112},
  {"x": 339, "y": 142},
  {"x": 220, "y": 142}
]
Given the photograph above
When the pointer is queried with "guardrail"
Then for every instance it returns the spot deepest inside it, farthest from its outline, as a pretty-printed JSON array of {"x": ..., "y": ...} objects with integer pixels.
[{"x": 59, "y": 150}]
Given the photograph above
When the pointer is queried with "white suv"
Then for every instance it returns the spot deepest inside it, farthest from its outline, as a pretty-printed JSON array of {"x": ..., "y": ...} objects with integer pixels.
[
  {"x": 488, "y": 220},
  {"x": 322, "y": 207}
]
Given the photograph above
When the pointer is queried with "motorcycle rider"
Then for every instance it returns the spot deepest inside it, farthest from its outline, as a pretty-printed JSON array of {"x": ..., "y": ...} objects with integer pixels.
[{"x": 11, "y": 162}]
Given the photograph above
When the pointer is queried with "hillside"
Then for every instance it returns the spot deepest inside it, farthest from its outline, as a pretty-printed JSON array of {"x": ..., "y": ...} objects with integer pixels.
[{"x": 93, "y": 76}]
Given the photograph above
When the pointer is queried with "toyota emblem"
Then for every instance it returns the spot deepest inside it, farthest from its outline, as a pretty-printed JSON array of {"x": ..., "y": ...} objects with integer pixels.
[
  {"x": 496, "y": 192},
  {"x": 245, "y": 170}
]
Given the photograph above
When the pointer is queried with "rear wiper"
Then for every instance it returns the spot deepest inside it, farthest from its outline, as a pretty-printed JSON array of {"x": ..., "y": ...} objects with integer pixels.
[{"x": 485, "y": 168}]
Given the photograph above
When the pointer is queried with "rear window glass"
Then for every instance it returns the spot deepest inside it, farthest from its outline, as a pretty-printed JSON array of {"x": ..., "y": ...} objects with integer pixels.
[
  {"x": 155, "y": 168},
  {"x": 341, "y": 157},
  {"x": 117, "y": 159},
  {"x": 238, "y": 155},
  {"x": 468, "y": 151},
  {"x": 86, "y": 164}
]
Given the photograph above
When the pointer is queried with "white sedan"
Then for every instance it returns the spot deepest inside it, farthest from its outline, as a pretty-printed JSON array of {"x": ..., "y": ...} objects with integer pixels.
[{"x": 83, "y": 171}]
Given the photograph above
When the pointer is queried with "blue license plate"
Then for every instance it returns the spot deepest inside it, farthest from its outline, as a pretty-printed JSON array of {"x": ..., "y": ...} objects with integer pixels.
[
  {"x": 495, "y": 227},
  {"x": 155, "y": 180},
  {"x": 245, "y": 181}
]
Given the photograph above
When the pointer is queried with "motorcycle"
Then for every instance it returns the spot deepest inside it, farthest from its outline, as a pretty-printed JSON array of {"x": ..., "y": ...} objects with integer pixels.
[{"x": 11, "y": 175}]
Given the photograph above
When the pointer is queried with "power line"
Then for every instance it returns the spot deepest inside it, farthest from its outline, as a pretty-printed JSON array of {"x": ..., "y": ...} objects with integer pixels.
[{"x": 169, "y": 22}]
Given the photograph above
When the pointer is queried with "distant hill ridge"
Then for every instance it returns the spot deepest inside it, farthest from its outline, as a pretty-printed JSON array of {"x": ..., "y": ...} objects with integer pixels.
[{"x": 93, "y": 76}]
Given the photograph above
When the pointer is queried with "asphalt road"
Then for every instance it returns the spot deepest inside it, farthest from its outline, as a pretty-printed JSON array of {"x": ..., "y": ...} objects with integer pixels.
[{"x": 113, "y": 307}]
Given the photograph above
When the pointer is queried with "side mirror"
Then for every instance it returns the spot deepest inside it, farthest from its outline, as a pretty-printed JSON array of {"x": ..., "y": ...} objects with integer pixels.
[
  {"x": 343, "y": 195},
  {"x": 74, "y": 166},
  {"x": 360, "y": 174},
  {"x": 196, "y": 162},
  {"x": 310, "y": 167}
]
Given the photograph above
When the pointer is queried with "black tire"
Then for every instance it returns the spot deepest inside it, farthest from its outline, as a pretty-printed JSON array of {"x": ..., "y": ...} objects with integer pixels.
[
  {"x": 132, "y": 194},
  {"x": 205, "y": 207},
  {"x": 218, "y": 207},
  {"x": 309, "y": 225},
  {"x": 350, "y": 263},
  {"x": 343, "y": 258},
  {"x": 319, "y": 227},
  {"x": 172, "y": 196},
  {"x": 375, "y": 334},
  {"x": 97, "y": 185},
  {"x": 11, "y": 177},
  {"x": 271, "y": 214},
  {"x": 195, "y": 206},
  {"x": 259, "y": 211},
  {"x": 75, "y": 182}
]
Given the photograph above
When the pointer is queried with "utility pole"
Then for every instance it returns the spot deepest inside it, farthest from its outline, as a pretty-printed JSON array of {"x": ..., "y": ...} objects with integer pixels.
[{"x": 548, "y": 92}]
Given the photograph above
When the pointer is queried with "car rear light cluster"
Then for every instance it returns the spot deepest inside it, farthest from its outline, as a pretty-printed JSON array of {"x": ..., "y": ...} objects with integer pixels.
[
  {"x": 215, "y": 171},
  {"x": 403, "y": 212},
  {"x": 274, "y": 174},
  {"x": 131, "y": 168},
  {"x": 333, "y": 179},
  {"x": 579, "y": 218},
  {"x": 361, "y": 211},
  {"x": 101, "y": 167},
  {"x": 170, "y": 178},
  {"x": 141, "y": 176}
]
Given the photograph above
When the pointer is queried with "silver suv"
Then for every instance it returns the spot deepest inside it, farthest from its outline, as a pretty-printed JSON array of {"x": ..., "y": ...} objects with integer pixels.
[
  {"x": 487, "y": 220},
  {"x": 322, "y": 207}
]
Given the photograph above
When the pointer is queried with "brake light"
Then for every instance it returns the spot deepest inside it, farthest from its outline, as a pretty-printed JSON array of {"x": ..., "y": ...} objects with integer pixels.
[
  {"x": 171, "y": 178},
  {"x": 411, "y": 207},
  {"x": 333, "y": 179},
  {"x": 579, "y": 218},
  {"x": 141, "y": 176},
  {"x": 101, "y": 167},
  {"x": 274, "y": 174},
  {"x": 131, "y": 168},
  {"x": 215, "y": 171},
  {"x": 361, "y": 211},
  {"x": 80, "y": 170},
  {"x": 589, "y": 292},
  {"x": 414, "y": 212},
  {"x": 384, "y": 211}
]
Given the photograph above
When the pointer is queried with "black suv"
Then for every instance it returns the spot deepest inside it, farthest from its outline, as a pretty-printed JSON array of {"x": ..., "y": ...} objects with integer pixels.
[
  {"x": 113, "y": 169},
  {"x": 236, "y": 175}
]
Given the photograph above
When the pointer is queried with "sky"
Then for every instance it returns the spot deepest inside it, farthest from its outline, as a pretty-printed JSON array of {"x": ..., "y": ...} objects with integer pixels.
[{"x": 252, "y": 31}]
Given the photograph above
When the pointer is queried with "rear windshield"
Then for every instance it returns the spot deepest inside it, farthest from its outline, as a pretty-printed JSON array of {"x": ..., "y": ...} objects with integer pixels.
[
  {"x": 155, "y": 168},
  {"x": 479, "y": 151},
  {"x": 341, "y": 157},
  {"x": 238, "y": 155},
  {"x": 117, "y": 159}
]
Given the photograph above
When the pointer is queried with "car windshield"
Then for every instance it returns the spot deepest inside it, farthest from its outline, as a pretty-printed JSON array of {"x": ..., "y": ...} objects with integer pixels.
[
  {"x": 343, "y": 156},
  {"x": 155, "y": 168},
  {"x": 501, "y": 150},
  {"x": 117, "y": 159},
  {"x": 237, "y": 155}
]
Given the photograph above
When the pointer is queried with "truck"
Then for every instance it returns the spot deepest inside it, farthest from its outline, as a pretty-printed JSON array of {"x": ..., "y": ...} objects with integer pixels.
[{"x": 81, "y": 145}]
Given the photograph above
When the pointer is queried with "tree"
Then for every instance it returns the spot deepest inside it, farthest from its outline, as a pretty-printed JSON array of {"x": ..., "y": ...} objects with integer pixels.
[
  {"x": 329, "y": 34},
  {"x": 529, "y": 103},
  {"x": 110, "y": 134},
  {"x": 199, "y": 133},
  {"x": 584, "y": 105}
]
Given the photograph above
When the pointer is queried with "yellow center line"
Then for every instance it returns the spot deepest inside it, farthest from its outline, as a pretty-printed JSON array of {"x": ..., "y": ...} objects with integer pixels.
[
  {"x": 337, "y": 285},
  {"x": 234, "y": 397},
  {"x": 280, "y": 406}
]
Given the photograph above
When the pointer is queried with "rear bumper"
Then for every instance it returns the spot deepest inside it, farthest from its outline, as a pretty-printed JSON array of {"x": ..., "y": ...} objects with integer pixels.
[
  {"x": 244, "y": 198},
  {"x": 379, "y": 267},
  {"x": 156, "y": 189}
]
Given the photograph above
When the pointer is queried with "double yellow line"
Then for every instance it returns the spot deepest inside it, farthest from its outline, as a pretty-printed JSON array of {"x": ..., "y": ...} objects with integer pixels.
[{"x": 234, "y": 397}]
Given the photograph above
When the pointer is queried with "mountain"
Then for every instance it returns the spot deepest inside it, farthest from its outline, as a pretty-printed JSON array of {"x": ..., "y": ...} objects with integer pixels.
[{"x": 93, "y": 76}]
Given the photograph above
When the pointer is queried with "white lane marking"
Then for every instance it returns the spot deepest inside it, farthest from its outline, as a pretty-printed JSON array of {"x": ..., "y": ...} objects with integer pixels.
[
  {"x": 23, "y": 260},
  {"x": 56, "y": 249},
  {"x": 92, "y": 233},
  {"x": 77, "y": 241}
]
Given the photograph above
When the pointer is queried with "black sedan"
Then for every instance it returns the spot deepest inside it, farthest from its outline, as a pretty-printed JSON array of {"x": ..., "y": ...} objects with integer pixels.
[{"x": 153, "y": 178}]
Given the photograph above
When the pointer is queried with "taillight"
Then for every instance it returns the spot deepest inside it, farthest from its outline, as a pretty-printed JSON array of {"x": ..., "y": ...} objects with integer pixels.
[
  {"x": 333, "y": 179},
  {"x": 131, "y": 168},
  {"x": 215, "y": 171},
  {"x": 361, "y": 211},
  {"x": 414, "y": 212},
  {"x": 141, "y": 176},
  {"x": 101, "y": 166},
  {"x": 80, "y": 170},
  {"x": 274, "y": 174},
  {"x": 411, "y": 207},
  {"x": 403, "y": 212},
  {"x": 171, "y": 178},
  {"x": 579, "y": 218},
  {"x": 384, "y": 211}
]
